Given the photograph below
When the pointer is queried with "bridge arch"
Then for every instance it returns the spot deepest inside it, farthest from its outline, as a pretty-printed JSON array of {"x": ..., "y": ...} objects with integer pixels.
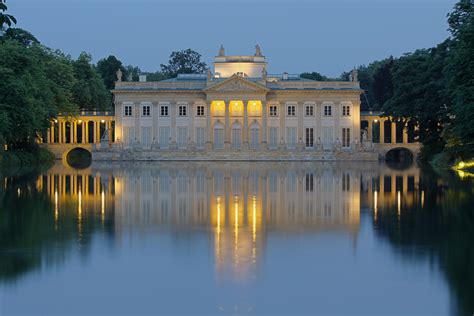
[
  {"x": 77, "y": 157},
  {"x": 400, "y": 154}
]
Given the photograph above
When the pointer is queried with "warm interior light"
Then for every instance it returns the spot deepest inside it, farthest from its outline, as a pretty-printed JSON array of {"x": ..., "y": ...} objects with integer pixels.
[
  {"x": 80, "y": 121},
  {"x": 102, "y": 121},
  {"x": 55, "y": 121},
  {"x": 376, "y": 121}
]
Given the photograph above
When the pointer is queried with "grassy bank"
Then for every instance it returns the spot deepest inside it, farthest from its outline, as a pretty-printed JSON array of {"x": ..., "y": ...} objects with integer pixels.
[{"x": 31, "y": 158}]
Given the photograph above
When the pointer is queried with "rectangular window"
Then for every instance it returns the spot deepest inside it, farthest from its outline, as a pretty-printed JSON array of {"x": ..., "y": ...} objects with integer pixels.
[
  {"x": 200, "y": 137},
  {"x": 273, "y": 110},
  {"x": 327, "y": 110},
  {"x": 309, "y": 137},
  {"x": 346, "y": 110},
  {"x": 182, "y": 137},
  {"x": 291, "y": 110},
  {"x": 164, "y": 137},
  {"x": 146, "y": 110},
  {"x": 346, "y": 137},
  {"x": 309, "y": 110},
  {"x": 127, "y": 110},
  {"x": 291, "y": 137},
  {"x": 218, "y": 138},
  {"x": 200, "y": 110},
  {"x": 273, "y": 141},
  {"x": 146, "y": 136},
  {"x": 182, "y": 110},
  {"x": 164, "y": 110}
]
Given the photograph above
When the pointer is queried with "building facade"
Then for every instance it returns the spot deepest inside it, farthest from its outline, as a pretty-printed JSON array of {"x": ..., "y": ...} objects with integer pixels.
[{"x": 238, "y": 107}]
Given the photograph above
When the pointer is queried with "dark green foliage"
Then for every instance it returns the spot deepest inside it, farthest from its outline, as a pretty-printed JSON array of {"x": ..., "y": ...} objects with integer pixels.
[
  {"x": 34, "y": 88},
  {"x": 89, "y": 91},
  {"x": 184, "y": 62},
  {"x": 131, "y": 73},
  {"x": 107, "y": 67},
  {"x": 314, "y": 76},
  {"x": 20, "y": 35},
  {"x": 5, "y": 19},
  {"x": 460, "y": 78}
]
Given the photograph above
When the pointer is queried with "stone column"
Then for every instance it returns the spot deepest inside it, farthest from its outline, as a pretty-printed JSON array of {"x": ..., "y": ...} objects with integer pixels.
[
  {"x": 173, "y": 115},
  {"x": 336, "y": 112},
  {"x": 63, "y": 132},
  {"x": 208, "y": 125},
  {"x": 74, "y": 124},
  {"x": 382, "y": 131},
  {"x": 227, "y": 126},
  {"x": 282, "y": 114},
  {"x": 394, "y": 132},
  {"x": 245, "y": 132},
  {"x": 264, "y": 125},
  {"x": 86, "y": 132},
  {"x": 51, "y": 134},
  {"x": 83, "y": 132},
  {"x": 300, "y": 112},
  {"x": 405, "y": 135},
  {"x": 369, "y": 130}
]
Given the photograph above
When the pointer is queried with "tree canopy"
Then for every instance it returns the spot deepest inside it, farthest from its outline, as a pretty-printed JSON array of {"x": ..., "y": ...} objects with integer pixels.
[
  {"x": 107, "y": 67},
  {"x": 184, "y": 62}
]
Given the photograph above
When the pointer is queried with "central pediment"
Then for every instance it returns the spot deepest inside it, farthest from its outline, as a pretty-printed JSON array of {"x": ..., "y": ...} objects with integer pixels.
[{"x": 236, "y": 84}]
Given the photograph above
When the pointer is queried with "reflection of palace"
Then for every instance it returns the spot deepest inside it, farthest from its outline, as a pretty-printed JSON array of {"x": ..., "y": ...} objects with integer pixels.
[{"x": 240, "y": 205}]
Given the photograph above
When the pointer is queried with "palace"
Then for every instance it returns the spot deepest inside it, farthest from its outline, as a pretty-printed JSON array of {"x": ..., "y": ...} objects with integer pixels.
[
  {"x": 238, "y": 106},
  {"x": 237, "y": 111}
]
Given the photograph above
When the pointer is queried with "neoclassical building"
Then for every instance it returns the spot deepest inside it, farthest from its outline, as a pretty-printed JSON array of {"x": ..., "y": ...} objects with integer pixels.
[{"x": 238, "y": 107}]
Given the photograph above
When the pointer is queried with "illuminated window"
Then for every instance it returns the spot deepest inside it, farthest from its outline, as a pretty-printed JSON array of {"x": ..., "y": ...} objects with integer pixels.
[
  {"x": 237, "y": 108},
  {"x": 254, "y": 108},
  {"x": 218, "y": 108}
]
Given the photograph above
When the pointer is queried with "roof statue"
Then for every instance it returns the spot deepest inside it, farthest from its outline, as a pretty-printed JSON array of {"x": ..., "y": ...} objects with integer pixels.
[
  {"x": 119, "y": 75},
  {"x": 355, "y": 75},
  {"x": 222, "y": 51},
  {"x": 258, "y": 50}
]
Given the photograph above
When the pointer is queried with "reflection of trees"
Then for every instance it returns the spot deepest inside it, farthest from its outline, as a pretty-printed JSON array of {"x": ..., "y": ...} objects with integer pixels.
[
  {"x": 443, "y": 230},
  {"x": 29, "y": 231}
]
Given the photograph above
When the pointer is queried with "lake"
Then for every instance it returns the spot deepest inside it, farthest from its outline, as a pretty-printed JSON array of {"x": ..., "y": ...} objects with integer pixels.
[{"x": 237, "y": 238}]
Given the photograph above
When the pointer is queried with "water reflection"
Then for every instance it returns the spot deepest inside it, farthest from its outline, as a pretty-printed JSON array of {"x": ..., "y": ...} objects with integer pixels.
[{"x": 242, "y": 209}]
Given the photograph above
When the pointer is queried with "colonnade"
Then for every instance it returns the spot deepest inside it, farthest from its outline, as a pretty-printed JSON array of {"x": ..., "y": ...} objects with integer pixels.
[
  {"x": 376, "y": 119},
  {"x": 79, "y": 131}
]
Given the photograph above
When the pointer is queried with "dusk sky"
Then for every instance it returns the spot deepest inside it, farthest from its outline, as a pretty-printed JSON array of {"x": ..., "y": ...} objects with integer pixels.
[{"x": 328, "y": 36}]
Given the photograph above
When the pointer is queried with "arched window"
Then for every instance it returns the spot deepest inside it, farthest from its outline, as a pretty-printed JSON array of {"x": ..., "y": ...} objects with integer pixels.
[
  {"x": 236, "y": 136},
  {"x": 254, "y": 136},
  {"x": 218, "y": 136}
]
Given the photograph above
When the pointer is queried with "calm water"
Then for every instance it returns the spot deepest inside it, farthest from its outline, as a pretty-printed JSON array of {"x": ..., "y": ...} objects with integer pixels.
[{"x": 236, "y": 238}]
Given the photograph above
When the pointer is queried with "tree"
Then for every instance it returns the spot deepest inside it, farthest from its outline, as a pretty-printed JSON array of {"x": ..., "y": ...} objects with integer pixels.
[
  {"x": 35, "y": 87},
  {"x": 382, "y": 83},
  {"x": 5, "y": 19},
  {"x": 107, "y": 67},
  {"x": 184, "y": 62},
  {"x": 419, "y": 95},
  {"x": 89, "y": 91},
  {"x": 20, "y": 35},
  {"x": 131, "y": 73},
  {"x": 459, "y": 70},
  {"x": 314, "y": 76}
]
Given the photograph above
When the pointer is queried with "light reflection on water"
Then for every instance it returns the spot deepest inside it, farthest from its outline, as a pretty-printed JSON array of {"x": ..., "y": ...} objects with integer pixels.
[{"x": 293, "y": 238}]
